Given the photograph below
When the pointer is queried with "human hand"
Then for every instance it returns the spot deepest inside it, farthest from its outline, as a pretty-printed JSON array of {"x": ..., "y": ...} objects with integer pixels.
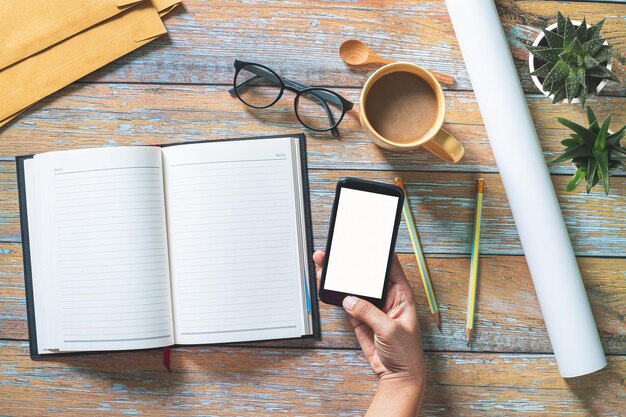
[{"x": 390, "y": 339}]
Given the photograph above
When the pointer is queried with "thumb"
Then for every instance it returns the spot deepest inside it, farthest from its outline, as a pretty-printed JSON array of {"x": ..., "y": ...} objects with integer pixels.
[{"x": 367, "y": 313}]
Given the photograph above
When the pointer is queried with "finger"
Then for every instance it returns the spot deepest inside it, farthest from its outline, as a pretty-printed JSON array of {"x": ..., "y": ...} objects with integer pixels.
[
  {"x": 318, "y": 257},
  {"x": 367, "y": 313},
  {"x": 398, "y": 278},
  {"x": 397, "y": 274},
  {"x": 364, "y": 335},
  {"x": 399, "y": 300}
]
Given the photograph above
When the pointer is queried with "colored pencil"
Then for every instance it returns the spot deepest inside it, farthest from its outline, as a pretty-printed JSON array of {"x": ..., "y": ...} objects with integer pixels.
[
  {"x": 419, "y": 255},
  {"x": 473, "y": 281}
]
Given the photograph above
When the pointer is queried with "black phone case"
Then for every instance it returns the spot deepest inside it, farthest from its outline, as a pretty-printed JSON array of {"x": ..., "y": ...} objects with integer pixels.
[{"x": 336, "y": 297}]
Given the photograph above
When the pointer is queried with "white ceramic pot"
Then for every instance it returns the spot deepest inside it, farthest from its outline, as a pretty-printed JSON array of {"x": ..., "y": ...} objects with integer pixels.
[{"x": 531, "y": 64}]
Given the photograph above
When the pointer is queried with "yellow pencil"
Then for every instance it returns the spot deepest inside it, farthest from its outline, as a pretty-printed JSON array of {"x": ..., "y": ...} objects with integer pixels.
[
  {"x": 473, "y": 281},
  {"x": 419, "y": 256}
]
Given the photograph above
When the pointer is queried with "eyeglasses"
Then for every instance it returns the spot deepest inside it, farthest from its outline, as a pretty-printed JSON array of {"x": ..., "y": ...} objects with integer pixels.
[{"x": 318, "y": 109}]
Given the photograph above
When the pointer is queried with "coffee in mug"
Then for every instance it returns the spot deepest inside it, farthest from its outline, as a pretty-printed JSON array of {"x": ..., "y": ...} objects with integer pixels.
[{"x": 402, "y": 107}]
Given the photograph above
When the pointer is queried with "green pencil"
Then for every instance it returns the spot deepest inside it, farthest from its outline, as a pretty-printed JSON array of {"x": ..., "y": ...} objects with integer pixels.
[
  {"x": 419, "y": 255},
  {"x": 473, "y": 283}
]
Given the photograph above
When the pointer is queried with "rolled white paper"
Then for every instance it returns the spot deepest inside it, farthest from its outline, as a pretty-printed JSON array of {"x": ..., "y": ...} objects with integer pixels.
[{"x": 528, "y": 187}]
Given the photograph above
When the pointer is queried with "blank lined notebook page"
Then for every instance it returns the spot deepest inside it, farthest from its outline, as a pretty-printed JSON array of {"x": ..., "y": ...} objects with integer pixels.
[
  {"x": 108, "y": 252},
  {"x": 233, "y": 241}
]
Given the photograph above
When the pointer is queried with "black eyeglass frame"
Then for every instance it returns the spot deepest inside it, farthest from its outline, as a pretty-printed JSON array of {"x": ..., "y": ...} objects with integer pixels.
[{"x": 322, "y": 94}]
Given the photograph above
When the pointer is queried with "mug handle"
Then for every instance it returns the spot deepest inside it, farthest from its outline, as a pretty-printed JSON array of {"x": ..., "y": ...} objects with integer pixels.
[{"x": 445, "y": 146}]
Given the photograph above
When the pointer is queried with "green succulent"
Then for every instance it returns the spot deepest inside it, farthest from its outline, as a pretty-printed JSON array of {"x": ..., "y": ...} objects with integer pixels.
[
  {"x": 596, "y": 153},
  {"x": 574, "y": 62}
]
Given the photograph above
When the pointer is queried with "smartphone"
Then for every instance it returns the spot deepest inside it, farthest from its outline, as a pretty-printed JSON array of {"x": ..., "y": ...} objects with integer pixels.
[{"x": 361, "y": 241}]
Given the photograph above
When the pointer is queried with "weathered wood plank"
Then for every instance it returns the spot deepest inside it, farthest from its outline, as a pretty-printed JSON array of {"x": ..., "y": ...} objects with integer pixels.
[
  {"x": 507, "y": 319},
  {"x": 100, "y": 115},
  {"x": 443, "y": 208},
  {"x": 443, "y": 205},
  {"x": 300, "y": 39},
  {"x": 233, "y": 382}
]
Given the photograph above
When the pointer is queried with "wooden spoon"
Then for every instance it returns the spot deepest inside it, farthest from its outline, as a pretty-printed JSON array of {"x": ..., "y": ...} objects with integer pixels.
[{"x": 356, "y": 53}]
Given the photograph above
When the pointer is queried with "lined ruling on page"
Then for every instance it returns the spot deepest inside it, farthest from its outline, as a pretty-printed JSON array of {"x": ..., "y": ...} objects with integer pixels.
[
  {"x": 110, "y": 248},
  {"x": 233, "y": 241}
]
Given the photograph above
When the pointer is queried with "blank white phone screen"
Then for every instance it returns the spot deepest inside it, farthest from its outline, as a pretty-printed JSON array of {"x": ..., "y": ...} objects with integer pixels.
[{"x": 361, "y": 240}]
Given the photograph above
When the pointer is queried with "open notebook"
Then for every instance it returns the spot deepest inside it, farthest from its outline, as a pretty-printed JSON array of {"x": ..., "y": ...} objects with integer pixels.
[{"x": 143, "y": 246}]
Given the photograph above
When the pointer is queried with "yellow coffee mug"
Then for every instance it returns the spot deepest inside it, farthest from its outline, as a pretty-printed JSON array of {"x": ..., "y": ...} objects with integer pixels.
[{"x": 436, "y": 140}]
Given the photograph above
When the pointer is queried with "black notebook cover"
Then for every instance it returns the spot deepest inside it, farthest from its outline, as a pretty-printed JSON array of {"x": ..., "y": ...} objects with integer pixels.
[{"x": 28, "y": 284}]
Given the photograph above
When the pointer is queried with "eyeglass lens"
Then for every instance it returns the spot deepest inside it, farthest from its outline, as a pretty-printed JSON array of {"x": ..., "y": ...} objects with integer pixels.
[
  {"x": 319, "y": 109},
  {"x": 257, "y": 87}
]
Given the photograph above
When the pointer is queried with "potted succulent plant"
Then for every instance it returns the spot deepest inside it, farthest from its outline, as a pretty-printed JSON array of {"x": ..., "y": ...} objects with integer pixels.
[
  {"x": 570, "y": 60},
  {"x": 595, "y": 151}
]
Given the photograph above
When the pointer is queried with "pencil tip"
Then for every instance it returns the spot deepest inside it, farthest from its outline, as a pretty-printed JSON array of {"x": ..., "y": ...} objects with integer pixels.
[
  {"x": 468, "y": 336},
  {"x": 437, "y": 317}
]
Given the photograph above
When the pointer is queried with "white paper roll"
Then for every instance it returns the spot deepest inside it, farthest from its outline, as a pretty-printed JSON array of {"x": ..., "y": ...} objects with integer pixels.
[{"x": 528, "y": 187}]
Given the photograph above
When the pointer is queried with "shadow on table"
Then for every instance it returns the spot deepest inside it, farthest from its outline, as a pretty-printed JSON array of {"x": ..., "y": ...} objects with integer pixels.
[
  {"x": 599, "y": 391},
  {"x": 142, "y": 372},
  {"x": 282, "y": 116}
]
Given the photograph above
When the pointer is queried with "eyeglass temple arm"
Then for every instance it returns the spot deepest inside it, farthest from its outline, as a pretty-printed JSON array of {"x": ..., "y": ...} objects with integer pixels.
[
  {"x": 322, "y": 96},
  {"x": 244, "y": 83},
  {"x": 319, "y": 93}
]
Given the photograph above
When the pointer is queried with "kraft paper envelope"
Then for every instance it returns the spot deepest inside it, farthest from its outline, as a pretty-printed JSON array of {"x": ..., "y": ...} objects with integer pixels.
[
  {"x": 165, "y": 6},
  {"x": 32, "y": 79},
  {"x": 30, "y": 26},
  {"x": 162, "y": 6}
]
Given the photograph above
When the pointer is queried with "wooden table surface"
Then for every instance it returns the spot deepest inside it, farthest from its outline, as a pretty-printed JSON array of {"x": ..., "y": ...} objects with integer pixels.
[{"x": 174, "y": 89}]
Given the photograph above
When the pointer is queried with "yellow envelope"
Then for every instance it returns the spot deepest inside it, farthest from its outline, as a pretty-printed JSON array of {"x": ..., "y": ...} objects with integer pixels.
[
  {"x": 165, "y": 6},
  {"x": 30, "y": 26},
  {"x": 32, "y": 79}
]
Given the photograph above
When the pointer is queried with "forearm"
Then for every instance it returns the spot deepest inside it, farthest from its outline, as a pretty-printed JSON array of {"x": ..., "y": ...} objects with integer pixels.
[{"x": 397, "y": 398}]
